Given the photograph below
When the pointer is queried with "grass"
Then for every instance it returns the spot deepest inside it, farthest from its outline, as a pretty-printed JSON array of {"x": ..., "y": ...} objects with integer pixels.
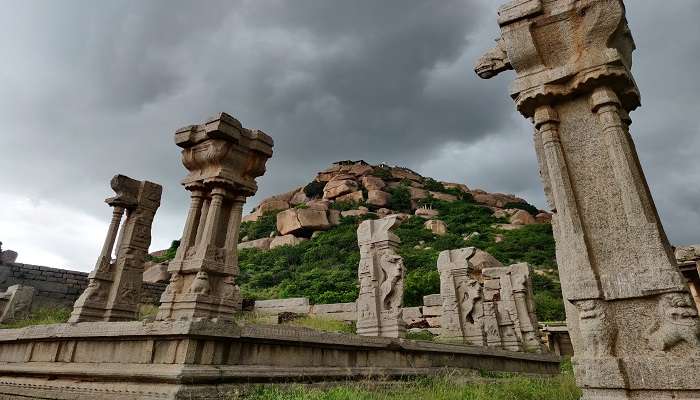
[
  {"x": 42, "y": 316},
  {"x": 445, "y": 387},
  {"x": 324, "y": 325}
]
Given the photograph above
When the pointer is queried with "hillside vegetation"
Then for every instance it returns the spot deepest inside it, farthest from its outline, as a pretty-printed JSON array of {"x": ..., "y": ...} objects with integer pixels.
[{"x": 323, "y": 266}]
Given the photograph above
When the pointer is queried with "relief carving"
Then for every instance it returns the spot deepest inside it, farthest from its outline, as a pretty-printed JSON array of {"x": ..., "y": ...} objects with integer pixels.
[
  {"x": 597, "y": 331},
  {"x": 677, "y": 322}
]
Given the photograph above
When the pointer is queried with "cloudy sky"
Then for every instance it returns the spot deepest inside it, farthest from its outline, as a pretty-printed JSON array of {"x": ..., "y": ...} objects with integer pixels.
[{"x": 90, "y": 89}]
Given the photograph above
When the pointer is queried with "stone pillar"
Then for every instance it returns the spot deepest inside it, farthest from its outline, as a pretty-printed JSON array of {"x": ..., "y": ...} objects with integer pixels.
[
  {"x": 462, "y": 299},
  {"x": 381, "y": 273},
  {"x": 114, "y": 288},
  {"x": 633, "y": 324},
  {"x": 223, "y": 159}
]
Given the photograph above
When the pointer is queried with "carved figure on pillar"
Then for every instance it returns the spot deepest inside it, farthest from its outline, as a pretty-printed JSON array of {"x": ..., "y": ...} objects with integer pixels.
[
  {"x": 381, "y": 273},
  {"x": 114, "y": 288},
  {"x": 632, "y": 323},
  {"x": 223, "y": 159}
]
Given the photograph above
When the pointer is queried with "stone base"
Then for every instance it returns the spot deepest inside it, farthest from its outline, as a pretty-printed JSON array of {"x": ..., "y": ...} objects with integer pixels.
[
  {"x": 643, "y": 377},
  {"x": 206, "y": 360}
]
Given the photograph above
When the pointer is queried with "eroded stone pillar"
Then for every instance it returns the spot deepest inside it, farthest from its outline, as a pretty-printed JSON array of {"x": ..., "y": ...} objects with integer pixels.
[
  {"x": 493, "y": 307},
  {"x": 381, "y": 273},
  {"x": 114, "y": 288},
  {"x": 223, "y": 159},
  {"x": 632, "y": 321}
]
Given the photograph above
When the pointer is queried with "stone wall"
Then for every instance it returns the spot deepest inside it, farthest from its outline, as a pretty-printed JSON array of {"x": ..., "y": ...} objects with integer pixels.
[{"x": 55, "y": 286}]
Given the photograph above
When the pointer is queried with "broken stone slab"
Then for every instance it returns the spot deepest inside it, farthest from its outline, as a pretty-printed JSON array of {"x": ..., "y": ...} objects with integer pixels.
[
  {"x": 302, "y": 221},
  {"x": 260, "y": 244},
  {"x": 16, "y": 303},
  {"x": 432, "y": 300},
  {"x": 299, "y": 305}
]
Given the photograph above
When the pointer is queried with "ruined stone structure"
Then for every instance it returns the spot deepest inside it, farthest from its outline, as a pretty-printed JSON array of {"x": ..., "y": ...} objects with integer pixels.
[
  {"x": 16, "y": 303},
  {"x": 381, "y": 273},
  {"x": 114, "y": 289},
  {"x": 493, "y": 307},
  {"x": 632, "y": 321},
  {"x": 223, "y": 159}
]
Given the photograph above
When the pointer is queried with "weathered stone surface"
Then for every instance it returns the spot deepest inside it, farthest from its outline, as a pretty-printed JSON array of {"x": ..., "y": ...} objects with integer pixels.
[
  {"x": 373, "y": 183},
  {"x": 355, "y": 213},
  {"x": 633, "y": 324},
  {"x": 383, "y": 212},
  {"x": 436, "y": 226},
  {"x": 427, "y": 213},
  {"x": 405, "y": 173},
  {"x": 147, "y": 361},
  {"x": 337, "y": 188},
  {"x": 412, "y": 315},
  {"x": 381, "y": 273},
  {"x": 298, "y": 198},
  {"x": 498, "y": 312},
  {"x": 285, "y": 240},
  {"x": 114, "y": 290},
  {"x": 494, "y": 199},
  {"x": 156, "y": 272},
  {"x": 16, "y": 303},
  {"x": 360, "y": 170},
  {"x": 334, "y": 217},
  {"x": 417, "y": 193},
  {"x": 432, "y": 300},
  {"x": 319, "y": 204},
  {"x": 544, "y": 218},
  {"x": 223, "y": 159},
  {"x": 299, "y": 305},
  {"x": 302, "y": 221},
  {"x": 354, "y": 197},
  {"x": 481, "y": 260},
  {"x": 522, "y": 217},
  {"x": 460, "y": 186},
  {"x": 272, "y": 205},
  {"x": 443, "y": 196},
  {"x": 378, "y": 198},
  {"x": 260, "y": 244},
  {"x": 7, "y": 256}
]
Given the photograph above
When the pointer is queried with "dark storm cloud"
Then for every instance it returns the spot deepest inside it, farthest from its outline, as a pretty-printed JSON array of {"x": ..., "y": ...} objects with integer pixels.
[{"x": 93, "y": 88}]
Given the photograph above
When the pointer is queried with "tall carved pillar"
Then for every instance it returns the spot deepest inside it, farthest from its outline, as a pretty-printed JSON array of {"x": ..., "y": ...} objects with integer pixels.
[
  {"x": 381, "y": 273},
  {"x": 632, "y": 321},
  {"x": 114, "y": 288},
  {"x": 223, "y": 159}
]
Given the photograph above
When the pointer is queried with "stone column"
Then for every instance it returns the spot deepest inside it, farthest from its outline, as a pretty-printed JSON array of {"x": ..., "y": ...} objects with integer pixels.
[
  {"x": 633, "y": 324},
  {"x": 223, "y": 159},
  {"x": 381, "y": 273},
  {"x": 114, "y": 288}
]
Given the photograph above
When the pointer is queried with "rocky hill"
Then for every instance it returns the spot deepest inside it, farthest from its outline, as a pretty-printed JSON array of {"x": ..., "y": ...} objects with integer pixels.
[{"x": 302, "y": 243}]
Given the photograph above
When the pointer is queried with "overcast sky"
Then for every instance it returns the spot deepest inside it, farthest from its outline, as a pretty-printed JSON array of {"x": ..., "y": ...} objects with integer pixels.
[{"x": 89, "y": 89}]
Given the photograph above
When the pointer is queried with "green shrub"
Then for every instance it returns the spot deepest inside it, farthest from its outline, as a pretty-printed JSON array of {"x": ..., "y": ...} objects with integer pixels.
[
  {"x": 400, "y": 200},
  {"x": 382, "y": 172},
  {"x": 433, "y": 185},
  {"x": 531, "y": 243},
  {"x": 523, "y": 206},
  {"x": 314, "y": 189},
  {"x": 169, "y": 253},
  {"x": 423, "y": 335},
  {"x": 261, "y": 228},
  {"x": 345, "y": 205}
]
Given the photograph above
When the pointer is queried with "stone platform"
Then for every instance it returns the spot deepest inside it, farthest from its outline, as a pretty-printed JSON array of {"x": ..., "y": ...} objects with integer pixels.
[{"x": 205, "y": 359}]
